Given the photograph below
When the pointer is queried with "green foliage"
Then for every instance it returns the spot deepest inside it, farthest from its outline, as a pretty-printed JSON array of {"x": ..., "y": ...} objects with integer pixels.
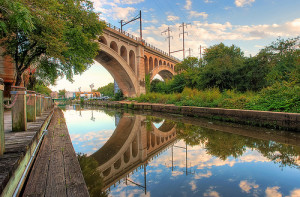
[
  {"x": 188, "y": 63},
  {"x": 235, "y": 146},
  {"x": 107, "y": 90},
  {"x": 62, "y": 93},
  {"x": 147, "y": 83},
  {"x": 42, "y": 89},
  {"x": 283, "y": 96},
  {"x": 222, "y": 65},
  {"x": 118, "y": 96},
  {"x": 56, "y": 37},
  {"x": 91, "y": 175}
]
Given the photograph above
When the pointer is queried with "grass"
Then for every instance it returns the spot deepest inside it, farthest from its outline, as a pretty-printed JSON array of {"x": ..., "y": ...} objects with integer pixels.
[{"x": 281, "y": 97}]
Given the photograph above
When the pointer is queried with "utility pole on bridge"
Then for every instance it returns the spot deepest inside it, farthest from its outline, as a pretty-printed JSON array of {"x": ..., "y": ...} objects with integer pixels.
[
  {"x": 169, "y": 37},
  {"x": 183, "y": 32},
  {"x": 139, "y": 16}
]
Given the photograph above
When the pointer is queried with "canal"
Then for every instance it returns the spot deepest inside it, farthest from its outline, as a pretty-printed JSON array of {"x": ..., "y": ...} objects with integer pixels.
[{"x": 144, "y": 154}]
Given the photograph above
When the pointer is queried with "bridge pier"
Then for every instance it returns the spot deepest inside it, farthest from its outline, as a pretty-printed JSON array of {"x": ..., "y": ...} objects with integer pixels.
[
  {"x": 2, "y": 143},
  {"x": 19, "y": 114}
]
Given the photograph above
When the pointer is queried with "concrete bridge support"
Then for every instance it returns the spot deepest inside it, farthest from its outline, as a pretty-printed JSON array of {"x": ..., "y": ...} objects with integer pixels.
[
  {"x": 2, "y": 143},
  {"x": 19, "y": 114}
]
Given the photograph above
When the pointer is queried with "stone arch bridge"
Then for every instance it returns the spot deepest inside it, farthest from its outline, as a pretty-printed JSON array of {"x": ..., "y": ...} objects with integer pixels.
[{"x": 129, "y": 59}]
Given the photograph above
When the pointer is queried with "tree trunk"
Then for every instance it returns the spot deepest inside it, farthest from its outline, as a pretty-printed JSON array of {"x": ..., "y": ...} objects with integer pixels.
[{"x": 19, "y": 78}]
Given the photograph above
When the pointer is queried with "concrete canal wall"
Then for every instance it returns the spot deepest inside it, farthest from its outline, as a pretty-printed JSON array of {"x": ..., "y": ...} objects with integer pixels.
[{"x": 276, "y": 120}]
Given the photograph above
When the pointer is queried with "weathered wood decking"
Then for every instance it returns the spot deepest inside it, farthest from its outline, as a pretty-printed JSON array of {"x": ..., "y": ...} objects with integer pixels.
[
  {"x": 56, "y": 171},
  {"x": 18, "y": 148}
]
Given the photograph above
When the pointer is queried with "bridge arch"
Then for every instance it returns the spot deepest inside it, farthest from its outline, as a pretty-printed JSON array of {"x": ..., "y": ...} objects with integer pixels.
[
  {"x": 164, "y": 71},
  {"x": 123, "y": 53},
  {"x": 132, "y": 60},
  {"x": 114, "y": 46},
  {"x": 150, "y": 64},
  {"x": 155, "y": 62},
  {"x": 146, "y": 64},
  {"x": 118, "y": 67},
  {"x": 103, "y": 40}
]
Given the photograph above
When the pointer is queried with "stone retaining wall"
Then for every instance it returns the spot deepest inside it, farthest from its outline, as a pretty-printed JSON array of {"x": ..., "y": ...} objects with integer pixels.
[{"x": 277, "y": 120}]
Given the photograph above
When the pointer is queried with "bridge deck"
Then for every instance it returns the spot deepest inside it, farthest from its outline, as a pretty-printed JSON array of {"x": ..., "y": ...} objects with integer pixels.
[
  {"x": 17, "y": 144},
  {"x": 56, "y": 171}
]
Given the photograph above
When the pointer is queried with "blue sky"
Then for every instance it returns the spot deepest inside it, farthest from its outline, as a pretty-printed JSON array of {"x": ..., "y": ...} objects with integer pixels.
[{"x": 248, "y": 24}]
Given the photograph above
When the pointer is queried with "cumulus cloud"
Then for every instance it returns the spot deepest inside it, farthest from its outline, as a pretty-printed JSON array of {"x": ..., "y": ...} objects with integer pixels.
[
  {"x": 247, "y": 186},
  {"x": 211, "y": 193},
  {"x": 122, "y": 13},
  {"x": 172, "y": 18},
  {"x": 128, "y": 1},
  {"x": 193, "y": 185},
  {"x": 295, "y": 193},
  {"x": 273, "y": 192},
  {"x": 194, "y": 14},
  {"x": 243, "y": 3},
  {"x": 188, "y": 4}
]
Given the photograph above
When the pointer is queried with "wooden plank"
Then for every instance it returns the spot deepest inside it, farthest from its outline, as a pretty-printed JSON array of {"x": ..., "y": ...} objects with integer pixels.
[
  {"x": 57, "y": 164},
  {"x": 17, "y": 144}
]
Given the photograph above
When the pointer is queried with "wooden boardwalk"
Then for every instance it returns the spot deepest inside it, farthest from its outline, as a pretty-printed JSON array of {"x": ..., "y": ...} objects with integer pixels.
[
  {"x": 18, "y": 146},
  {"x": 56, "y": 171}
]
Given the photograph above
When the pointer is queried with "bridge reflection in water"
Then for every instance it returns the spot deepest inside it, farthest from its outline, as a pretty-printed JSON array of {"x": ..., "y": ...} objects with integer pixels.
[
  {"x": 134, "y": 142},
  {"x": 165, "y": 155}
]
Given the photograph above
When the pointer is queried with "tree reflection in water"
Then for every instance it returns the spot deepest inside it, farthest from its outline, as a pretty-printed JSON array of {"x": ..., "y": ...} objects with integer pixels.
[
  {"x": 223, "y": 145},
  {"x": 91, "y": 176}
]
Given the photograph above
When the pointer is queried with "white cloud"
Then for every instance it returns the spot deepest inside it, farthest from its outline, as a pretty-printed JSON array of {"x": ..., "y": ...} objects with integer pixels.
[
  {"x": 151, "y": 21},
  {"x": 211, "y": 193},
  {"x": 295, "y": 193},
  {"x": 194, "y": 14},
  {"x": 128, "y": 1},
  {"x": 193, "y": 185},
  {"x": 208, "y": 1},
  {"x": 243, "y": 3},
  {"x": 247, "y": 186},
  {"x": 273, "y": 192},
  {"x": 122, "y": 13},
  {"x": 188, "y": 4},
  {"x": 172, "y": 18}
]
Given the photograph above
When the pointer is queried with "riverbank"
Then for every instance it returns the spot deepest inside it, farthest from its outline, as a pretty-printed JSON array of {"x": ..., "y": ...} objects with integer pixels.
[
  {"x": 274, "y": 120},
  {"x": 56, "y": 171}
]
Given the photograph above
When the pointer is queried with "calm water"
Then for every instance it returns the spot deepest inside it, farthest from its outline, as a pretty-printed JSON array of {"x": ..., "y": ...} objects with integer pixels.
[{"x": 143, "y": 155}]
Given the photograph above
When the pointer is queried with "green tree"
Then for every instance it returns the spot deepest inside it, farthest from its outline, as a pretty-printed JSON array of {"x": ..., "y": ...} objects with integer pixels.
[
  {"x": 56, "y": 37},
  {"x": 107, "y": 90},
  {"x": 221, "y": 67},
  {"x": 62, "y": 93},
  {"x": 42, "y": 89},
  {"x": 188, "y": 63}
]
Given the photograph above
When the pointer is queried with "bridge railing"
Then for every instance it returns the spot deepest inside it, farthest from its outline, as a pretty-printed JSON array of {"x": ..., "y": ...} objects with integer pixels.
[{"x": 138, "y": 39}]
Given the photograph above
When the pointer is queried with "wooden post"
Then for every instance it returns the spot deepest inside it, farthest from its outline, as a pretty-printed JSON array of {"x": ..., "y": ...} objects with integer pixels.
[
  {"x": 42, "y": 103},
  {"x": 2, "y": 142},
  {"x": 19, "y": 116},
  {"x": 31, "y": 106},
  {"x": 38, "y": 104}
]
